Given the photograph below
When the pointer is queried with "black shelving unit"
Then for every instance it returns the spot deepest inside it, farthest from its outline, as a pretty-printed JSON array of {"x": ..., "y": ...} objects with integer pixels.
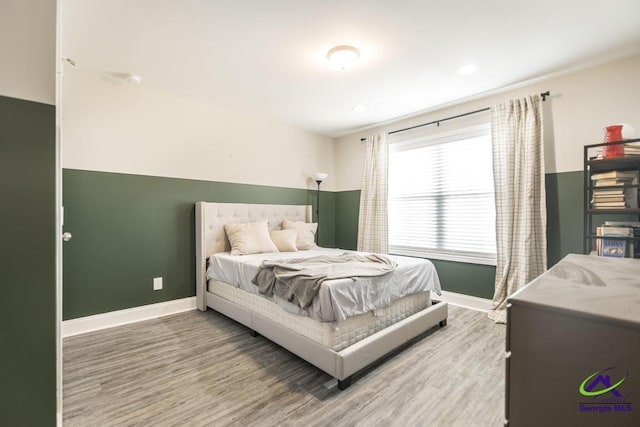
[{"x": 593, "y": 165}]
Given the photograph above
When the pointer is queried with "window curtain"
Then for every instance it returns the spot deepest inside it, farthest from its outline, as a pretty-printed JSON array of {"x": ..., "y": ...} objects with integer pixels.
[
  {"x": 373, "y": 228},
  {"x": 521, "y": 212}
]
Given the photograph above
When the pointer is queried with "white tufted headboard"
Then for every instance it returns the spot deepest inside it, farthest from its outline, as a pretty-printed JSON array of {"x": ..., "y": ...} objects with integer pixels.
[{"x": 211, "y": 238}]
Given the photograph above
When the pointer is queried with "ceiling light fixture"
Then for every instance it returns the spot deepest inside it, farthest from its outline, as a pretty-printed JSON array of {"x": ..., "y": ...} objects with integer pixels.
[
  {"x": 343, "y": 57},
  {"x": 359, "y": 108},
  {"x": 467, "y": 69}
]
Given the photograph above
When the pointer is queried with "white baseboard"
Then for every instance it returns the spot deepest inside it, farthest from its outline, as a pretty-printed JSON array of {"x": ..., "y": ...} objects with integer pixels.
[
  {"x": 467, "y": 301},
  {"x": 97, "y": 322}
]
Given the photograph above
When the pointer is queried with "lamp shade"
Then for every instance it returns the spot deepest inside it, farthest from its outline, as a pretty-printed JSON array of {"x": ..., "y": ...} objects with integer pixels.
[{"x": 320, "y": 176}]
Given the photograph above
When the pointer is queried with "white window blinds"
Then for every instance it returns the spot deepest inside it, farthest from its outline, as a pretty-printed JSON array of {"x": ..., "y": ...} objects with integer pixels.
[{"x": 441, "y": 197}]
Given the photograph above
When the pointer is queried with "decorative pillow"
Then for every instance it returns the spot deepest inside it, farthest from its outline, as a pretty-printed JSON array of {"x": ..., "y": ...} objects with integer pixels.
[
  {"x": 249, "y": 238},
  {"x": 306, "y": 233},
  {"x": 285, "y": 240}
]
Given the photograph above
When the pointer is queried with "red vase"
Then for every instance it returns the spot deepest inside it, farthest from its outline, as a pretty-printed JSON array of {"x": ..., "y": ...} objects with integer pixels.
[{"x": 611, "y": 134}]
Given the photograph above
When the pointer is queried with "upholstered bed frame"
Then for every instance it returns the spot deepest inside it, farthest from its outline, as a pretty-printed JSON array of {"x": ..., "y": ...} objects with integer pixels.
[{"x": 211, "y": 238}]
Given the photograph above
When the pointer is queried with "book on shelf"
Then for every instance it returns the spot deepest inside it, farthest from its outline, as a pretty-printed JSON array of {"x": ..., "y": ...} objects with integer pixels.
[
  {"x": 616, "y": 198},
  {"x": 631, "y": 150},
  {"x": 612, "y": 182},
  {"x": 614, "y": 174},
  {"x": 619, "y": 247},
  {"x": 622, "y": 223},
  {"x": 617, "y": 230},
  {"x": 609, "y": 205},
  {"x": 613, "y": 248},
  {"x": 627, "y": 153},
  {"x": 607, "y": 193},
  {"x": 604, "y": 199},
  {"x": 623, "y": 245}
]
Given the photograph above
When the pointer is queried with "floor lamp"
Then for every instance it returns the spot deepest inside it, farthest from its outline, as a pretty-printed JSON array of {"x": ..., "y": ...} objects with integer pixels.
[{"x": 319, "y": 177}]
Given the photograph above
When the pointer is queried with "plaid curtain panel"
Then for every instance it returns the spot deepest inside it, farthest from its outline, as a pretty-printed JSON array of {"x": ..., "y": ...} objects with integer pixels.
[
  {"x": 373, "y": 228},
  {"x": 521, "y": 212}
]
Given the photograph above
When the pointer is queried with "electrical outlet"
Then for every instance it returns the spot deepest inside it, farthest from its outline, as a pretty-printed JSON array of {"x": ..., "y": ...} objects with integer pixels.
[{"x": 157, "y": 283}]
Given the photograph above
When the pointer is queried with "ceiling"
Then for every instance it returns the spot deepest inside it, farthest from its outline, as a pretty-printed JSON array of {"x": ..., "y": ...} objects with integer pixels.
[{"x": 269, "y": 57}]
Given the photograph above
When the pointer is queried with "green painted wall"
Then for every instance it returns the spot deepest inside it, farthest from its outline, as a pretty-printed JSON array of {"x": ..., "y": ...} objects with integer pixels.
[
  {"x": 564, "y": 233},
  {"x": 347, "y": 213},
  {"x": 128, "y": 229},
  {"x": 27, "y": 253},
  {"x": 565, "y": 221},
  {"x": 463, "y": 278}
]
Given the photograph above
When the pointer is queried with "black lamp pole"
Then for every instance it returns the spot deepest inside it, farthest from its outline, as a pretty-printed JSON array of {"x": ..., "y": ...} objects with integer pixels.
[
  {"x": 318, "y": 178},
  {"x": 318, "y": 212}
]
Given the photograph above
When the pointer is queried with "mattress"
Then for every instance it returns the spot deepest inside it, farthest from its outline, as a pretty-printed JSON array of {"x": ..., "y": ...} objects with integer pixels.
[
  {"x": 336, "y": 335},
  {"x": 337, "y": 299}
]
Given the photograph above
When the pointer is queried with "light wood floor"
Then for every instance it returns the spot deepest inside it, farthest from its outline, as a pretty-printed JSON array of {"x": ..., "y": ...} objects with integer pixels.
[{"x": 203, "y": 369}]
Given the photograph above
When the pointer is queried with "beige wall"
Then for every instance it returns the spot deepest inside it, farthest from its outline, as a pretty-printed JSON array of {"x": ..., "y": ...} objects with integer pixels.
[
  {"x": 124, "y": 128},
  {"x": 581, "y": 104},
  {"x": 140, "y": 130},
  {"x": 27, "y": 49}
]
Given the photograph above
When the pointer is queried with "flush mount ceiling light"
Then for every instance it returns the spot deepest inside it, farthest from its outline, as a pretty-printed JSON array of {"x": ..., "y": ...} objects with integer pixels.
[
  {"x": 343, "y": 57},
  {"x": 359, "y": 108}
]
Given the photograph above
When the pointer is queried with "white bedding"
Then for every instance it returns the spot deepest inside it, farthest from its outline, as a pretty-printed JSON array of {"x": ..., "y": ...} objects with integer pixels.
[{"x": 337, "y": 299}]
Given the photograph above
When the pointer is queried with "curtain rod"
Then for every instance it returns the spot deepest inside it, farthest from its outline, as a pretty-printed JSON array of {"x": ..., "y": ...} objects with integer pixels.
[{"x": 437, "y": 122}]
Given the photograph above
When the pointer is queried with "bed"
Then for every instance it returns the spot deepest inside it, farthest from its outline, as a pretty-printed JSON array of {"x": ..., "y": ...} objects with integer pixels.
[{"x": 339, "y": 341}]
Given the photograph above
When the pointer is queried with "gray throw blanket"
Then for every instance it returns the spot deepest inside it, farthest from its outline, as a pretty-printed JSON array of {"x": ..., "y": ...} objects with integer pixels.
[{"x": 299, "y": 280}]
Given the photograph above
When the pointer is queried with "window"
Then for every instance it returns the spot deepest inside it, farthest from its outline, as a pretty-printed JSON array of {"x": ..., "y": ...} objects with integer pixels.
[{"x": 441, "y": 197}]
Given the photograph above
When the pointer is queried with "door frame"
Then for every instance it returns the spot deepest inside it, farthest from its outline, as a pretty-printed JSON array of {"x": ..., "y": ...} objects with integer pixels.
[{"x": 59, "y": 221}]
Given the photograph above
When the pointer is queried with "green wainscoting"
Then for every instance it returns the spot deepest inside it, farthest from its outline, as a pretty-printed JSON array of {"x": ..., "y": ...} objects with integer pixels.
[
  {"x": 468, "y": 279},
  {"x": 564, "y": 233},
  {"x": 565, "y": 221},
  {"x": 128, "y": 229},
  {"x": 28, "y": 302},
  {"x": 347, "y": 214}
]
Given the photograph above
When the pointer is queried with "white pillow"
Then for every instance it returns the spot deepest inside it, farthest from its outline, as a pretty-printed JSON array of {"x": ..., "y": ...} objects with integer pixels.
[
  {"x": 306, "y": 233},
  {"x": 249, "y": 238},
  {"x": 285, "y": 240}
]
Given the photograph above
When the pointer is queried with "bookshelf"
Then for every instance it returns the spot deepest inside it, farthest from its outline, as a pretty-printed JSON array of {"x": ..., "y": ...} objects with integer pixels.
[{"x": 596, "y": 215}]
